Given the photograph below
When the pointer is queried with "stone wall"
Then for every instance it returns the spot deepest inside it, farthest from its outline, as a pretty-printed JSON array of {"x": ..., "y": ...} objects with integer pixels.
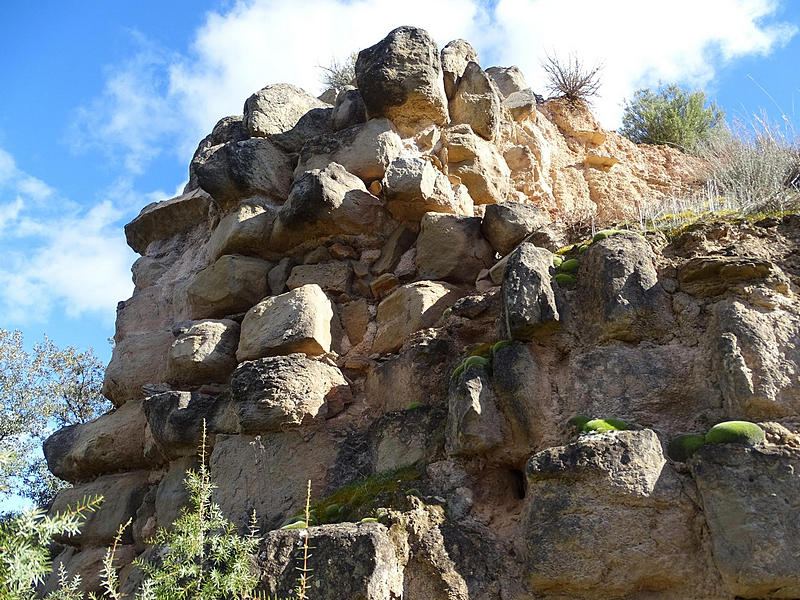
[{"x": 312, "y": 295}]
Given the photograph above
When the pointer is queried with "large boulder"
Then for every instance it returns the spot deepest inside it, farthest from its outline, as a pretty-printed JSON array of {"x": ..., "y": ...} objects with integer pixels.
[
  {"x": 204, "y": 352},
  {"x": 413, "y": 186},
  {"x": 163, "y": 220},
  {"x": 755, "y": 535},
  {"x": 244, "y": 231},
  {"x": 529, "y": 304},
  {"x": 478, "y": 164},
  {"x": 455, "y": 56},
  {"x": 506, "y": 225},
  {"x": 364, "y": 150},
  {"x": 231, "y": 285},
  {"x": 477, "y": 102},
  {"x": 607, "y": 513},
  {"x": 122, "y": 495},
  {"x": 508, "y": 80},
  {"x": 269, "y": 473},
  {"x": 349, "y": 561},
  {"x": 756, "y": 358},
  {"x": 297, "y": 321},
  {"x": 109, "y": 443},
  {"x": 270, "y": 394},
  {"x": 474, "y": 425},
  {"x": 408, "y": 309},
  {"x": 277, "y": 108},
  {"x": 451, "y": 248},
  {"x": 333, "y": 277},
  {"x": 400, "y": 78},
  {"x": 348, "y": 110},
  {"x": 618, "y": 290},
  {"x": 325, "y": 202},
  {"x": 136, "y": 361},
  {"x": 176, "y": 421},
  {"x": 227, "y": 129},
  {"x": 237, "y": 170}
]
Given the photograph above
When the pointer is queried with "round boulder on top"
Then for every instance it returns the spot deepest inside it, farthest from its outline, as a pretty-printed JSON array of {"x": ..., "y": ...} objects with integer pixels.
[{"x": 400, "y": 78}]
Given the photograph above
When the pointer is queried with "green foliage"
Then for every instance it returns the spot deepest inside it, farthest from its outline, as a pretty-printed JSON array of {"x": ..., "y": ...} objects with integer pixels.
[
  {"x": 354, "y": 499},
  {"x": 670, "y": 115},
  {"x": 605, "y": 234},
  {"x": 476, "y": 361},
  {"x": 570, "y": 266},
  {"x": 683, "y": 446},
  {"x": 735, "y": 432},
  {"x": 557, "y": 260},
  {"x": 565, "y": 279},
  {"x": 604, "y": 425},
  {"x": 571, "y": 78},
  {"x": 414, "y": 405},
  {"x": 498, "y": 345},
  {"x": 203, "y": 557},
  {"x": 24, "y": 557},
  {"x": 41, "y": 391},
  {"x": 578, "y": 421},
  {"x": 340, "y": 74}
]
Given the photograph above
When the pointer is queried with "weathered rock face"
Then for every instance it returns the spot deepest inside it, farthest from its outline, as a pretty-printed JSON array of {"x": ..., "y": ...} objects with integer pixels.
[
  {"x": 408, "y": 310},
  {"x": 400, "y": 78}
]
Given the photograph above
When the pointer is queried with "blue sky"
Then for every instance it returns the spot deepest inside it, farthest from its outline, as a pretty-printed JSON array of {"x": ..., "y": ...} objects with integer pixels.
[{"x": 103, "y": 103}]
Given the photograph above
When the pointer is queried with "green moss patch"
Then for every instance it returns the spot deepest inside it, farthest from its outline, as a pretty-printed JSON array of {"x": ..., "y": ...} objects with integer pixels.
[
  {"x": 605, "y": 425},
  {"x": 735, "y": 432},
  {"x": 565, "y": 279},
  {"x": 570, "y": 266},
  {"x": 683, "y": 446}
]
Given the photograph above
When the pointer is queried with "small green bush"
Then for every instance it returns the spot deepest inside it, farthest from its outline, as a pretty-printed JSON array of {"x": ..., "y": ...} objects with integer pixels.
[
  {"x": 476, "y": 361},
  {"x": 670, "y": 115},
  {"x": 414, "y": 405},
  {"x": 498, "y": 345},
  {"x": 604, "y": 425},
  {"x": 557, "y": 260},
  {"x": 565, "y": 279},
  {"x": 735, "y": 432},
  {"x": 683, "y": 446},
  {"x": 578, "y": 421},
  {"x": 570, "y": 266}
]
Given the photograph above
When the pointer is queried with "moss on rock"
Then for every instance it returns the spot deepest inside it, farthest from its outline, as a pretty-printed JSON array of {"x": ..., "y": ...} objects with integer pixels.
[
  {"x": 735, "y": 432},
  {"x": 683, "y": 446}
]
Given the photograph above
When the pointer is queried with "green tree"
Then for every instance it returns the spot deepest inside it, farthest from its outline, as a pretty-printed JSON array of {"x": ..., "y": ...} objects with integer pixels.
[
  {"x": 41, "y": 391},
  {"x": 670, "y": 115}
]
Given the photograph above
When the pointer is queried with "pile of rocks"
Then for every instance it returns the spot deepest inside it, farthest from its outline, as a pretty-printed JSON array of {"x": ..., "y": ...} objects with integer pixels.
[{"x": 328, "y": 267}]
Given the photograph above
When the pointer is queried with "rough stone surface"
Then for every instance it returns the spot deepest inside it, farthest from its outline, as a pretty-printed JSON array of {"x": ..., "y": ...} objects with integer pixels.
[
  {"x": 408, "y": 309},
  {"x": 231, "y": 285},
  {"x": 276, "y": 109},
  {"x": 162, "y": 220},
  {"x": 297, "y": 321},
  {"x": 244, "y": 231},
  {"x": 506, "y": 225},
  {"x": 596, "y": 506},
  {"x": 529, "y": 304},
  {"x": 81, "y": 451},
  {"x": 237, "y": 170},
  {"x": 136, "y": 361},
  {"x": 333, "y": 277},
  {"x": 477, "y": 102},
  {"x": 172, "y": 494},
  {"x": 479, "y": 165},
  {"x": 367, "y": 565},
  {"x": 122, "y": 495},
  {"x": 271, "y": 394},
  {"x": 348, "y": 110},
  {"x": 455, "y": 56},
  {"x": 268, "y": 473},
  {"x": 507, "y": 79},
  {"x": 755, "y": 537},
  {"x": 204, "y": 352},
  {"x": 451, "y": 248},
  {"x": 176, "y": 421},
  {"x": 474, "y": 425},
  {"x": 364, "y": 150},
  {"x": 413, "y": 186},
  {"x": 400, "y": 78},
  {"x": 227, "y": 129},
  {"x": 619, "y": 289},
  {"x": 323, "y": 203}
]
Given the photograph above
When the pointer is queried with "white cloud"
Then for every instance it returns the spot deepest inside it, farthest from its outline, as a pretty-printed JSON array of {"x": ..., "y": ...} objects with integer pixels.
[
  {"x": 167, "y": 101},
  {"x": 56, "y": 255},
  {"x": 639, "y": 43}
]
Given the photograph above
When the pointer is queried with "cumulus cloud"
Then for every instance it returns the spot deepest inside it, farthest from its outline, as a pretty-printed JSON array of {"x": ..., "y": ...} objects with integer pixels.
[
  {"x": 57, "y": 256},
  {"x": 168, "y": 100}
]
